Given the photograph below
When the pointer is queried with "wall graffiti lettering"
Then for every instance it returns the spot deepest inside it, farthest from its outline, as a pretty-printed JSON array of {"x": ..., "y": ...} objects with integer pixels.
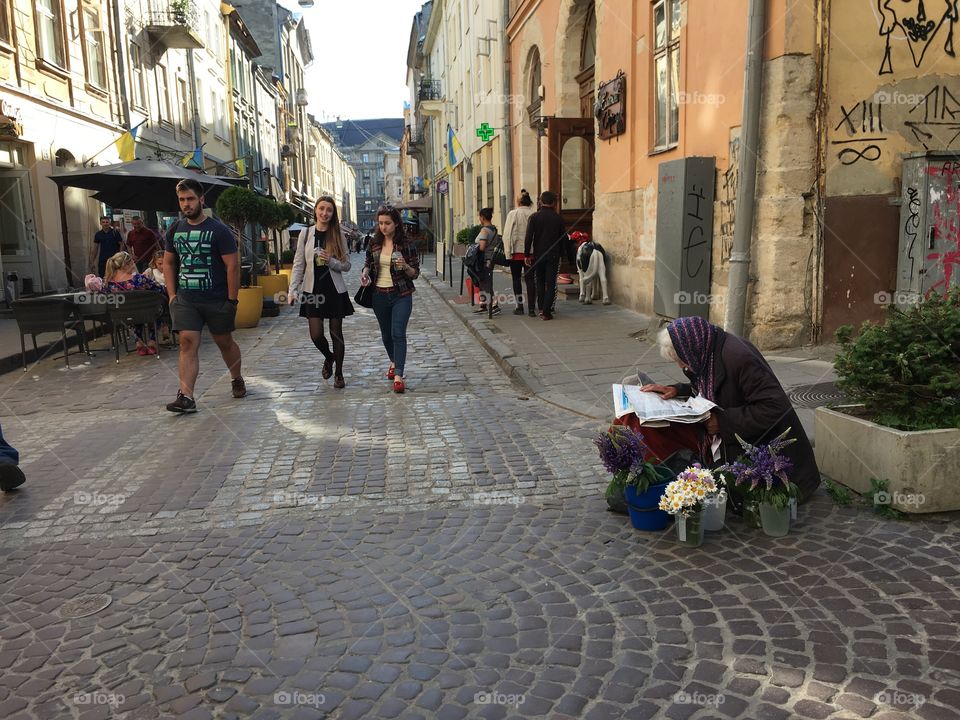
[
  {"x": 850, "y": 155},
  {"x": 920, "y": 23},
  {"x": 945, "y": 229},
  {"x": 912, "y": 226},
  {"x": 865, "y": 117},
  {"x": 697, "y": 236},
  {"x": 870, "y": 118},
  {"x": 728, "y": 197},
  {"x": 941, "y": 118}
]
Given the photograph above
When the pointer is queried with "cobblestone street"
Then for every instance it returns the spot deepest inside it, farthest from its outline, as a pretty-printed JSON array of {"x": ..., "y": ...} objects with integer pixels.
[{"x": 311, "y": 552}]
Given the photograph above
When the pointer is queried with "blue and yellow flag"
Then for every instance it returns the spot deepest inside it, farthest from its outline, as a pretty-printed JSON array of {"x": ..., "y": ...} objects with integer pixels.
[
  {"x": 126, "y": 145},
  {"x": 242, "y": 166},
  {"x": 453, "y": 147},
  {"x": 194, "y": 158}
]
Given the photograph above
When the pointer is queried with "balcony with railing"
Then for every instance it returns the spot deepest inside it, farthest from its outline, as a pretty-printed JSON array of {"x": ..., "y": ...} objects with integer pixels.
[
  {"x": 174, "y": 24},
  {"x": 414, "y": 141},
  {"x": 417, "y": 186},
  {"x": 429, "y": 90}
]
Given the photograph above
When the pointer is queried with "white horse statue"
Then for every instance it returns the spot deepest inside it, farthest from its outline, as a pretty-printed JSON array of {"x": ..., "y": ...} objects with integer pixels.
[{"x": 592, "y": 268}]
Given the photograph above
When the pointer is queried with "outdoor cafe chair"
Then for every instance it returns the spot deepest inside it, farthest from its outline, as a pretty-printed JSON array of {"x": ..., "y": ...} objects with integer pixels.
[
  {"x": 43, "y": 315},
  {"x": 130, "y": 309}
]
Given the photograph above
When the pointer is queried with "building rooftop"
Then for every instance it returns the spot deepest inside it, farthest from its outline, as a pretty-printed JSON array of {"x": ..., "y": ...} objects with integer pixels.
[{"x": 356, "y": 132}]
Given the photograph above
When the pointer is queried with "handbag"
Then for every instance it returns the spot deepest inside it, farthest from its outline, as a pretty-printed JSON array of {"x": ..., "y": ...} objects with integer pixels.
[
  {"x": 497, "y": 253},
  {"x": 364, "y": 296}
]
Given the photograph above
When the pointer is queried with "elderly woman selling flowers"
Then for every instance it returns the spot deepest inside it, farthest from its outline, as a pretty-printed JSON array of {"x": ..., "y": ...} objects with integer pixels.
[{"x": 751, "y": 403}]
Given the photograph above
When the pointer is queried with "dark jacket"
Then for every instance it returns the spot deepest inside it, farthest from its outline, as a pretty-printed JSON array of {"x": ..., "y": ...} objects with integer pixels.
[
  {"x": 402, "y": 282},
  {"x": 545, "y": 231},
  {"x": 754, "y": 406}
]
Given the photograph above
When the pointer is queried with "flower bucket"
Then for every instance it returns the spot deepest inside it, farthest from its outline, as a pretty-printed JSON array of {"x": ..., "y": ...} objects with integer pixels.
[
  {"x": 690, "y": 529},
  {"x": 714, "y": 514},
  {"x": 751, "y": 514},
  {"x": 644, "y": 513},
  {"x": 776, "y": 521}
]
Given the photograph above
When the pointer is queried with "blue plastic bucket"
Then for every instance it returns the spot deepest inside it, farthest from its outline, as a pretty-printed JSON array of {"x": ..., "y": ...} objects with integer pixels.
[{"x": 643, "y": 507}]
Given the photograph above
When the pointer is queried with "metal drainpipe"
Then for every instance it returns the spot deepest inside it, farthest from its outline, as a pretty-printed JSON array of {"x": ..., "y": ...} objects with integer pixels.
[
  {"x": 192, "y": 80},
  {"x": 749, "y": 149},
  {"x": 121, "y": 64},
  {"x": 507, "y": 128}
]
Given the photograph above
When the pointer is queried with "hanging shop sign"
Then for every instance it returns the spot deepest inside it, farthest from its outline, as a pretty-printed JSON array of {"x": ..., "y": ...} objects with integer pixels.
[
  {"x": 611, "y": 107},
  {"x": 11, "y": 124},
  {"x": 443, "y": 187}
]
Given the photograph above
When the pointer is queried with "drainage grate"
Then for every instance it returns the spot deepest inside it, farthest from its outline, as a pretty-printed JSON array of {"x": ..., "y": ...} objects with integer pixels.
[
  {"x": 83, "y": 606},
  {"x": 814, "y": 396}
]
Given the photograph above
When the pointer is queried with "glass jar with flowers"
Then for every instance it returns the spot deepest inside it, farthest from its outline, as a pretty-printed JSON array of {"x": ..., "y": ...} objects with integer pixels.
[
  {"x": 761, "y": 477},
  {"x": 636, "y": 481},
  {"x": 685, "y": 498}
]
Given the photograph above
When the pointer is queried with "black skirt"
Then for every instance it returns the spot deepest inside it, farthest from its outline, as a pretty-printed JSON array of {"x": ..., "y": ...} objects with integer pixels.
[{"x": 325, "y": 301}]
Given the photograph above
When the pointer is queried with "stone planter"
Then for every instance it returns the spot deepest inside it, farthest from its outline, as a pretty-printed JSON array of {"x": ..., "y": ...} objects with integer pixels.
[
  {"x": 923, "y": 466},
  {"x": 250, "y": 307},
  {"x": 459, "y": 250}
]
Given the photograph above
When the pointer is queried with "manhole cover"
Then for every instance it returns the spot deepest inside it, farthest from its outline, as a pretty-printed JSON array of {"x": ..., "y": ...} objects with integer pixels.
[
  {"x": 814, "y": 396},
  {"x": 83, "y": 606}
]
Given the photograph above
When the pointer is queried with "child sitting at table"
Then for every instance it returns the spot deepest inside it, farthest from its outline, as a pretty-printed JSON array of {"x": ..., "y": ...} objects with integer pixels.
[{"x": 121, "y": 276}]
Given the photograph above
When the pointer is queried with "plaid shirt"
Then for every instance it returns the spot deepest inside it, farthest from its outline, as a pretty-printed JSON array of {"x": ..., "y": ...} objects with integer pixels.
[{"x": 402, "y": 282}]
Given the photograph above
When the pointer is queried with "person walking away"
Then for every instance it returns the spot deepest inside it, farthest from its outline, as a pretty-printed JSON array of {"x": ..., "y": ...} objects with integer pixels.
[
  {"x": 392, "y": 264},
  {"x": 11, "y": 476},
  {"x": 542, "y": 248},
  {"x": 319, "y": 263},
  {"x": 482, "y": 271},
  {"x": 143, "y": 243},
  {"x": 107, "y": 242},
  {"x": 514, "y": 235},
  {"x": 201, "y": 266}
]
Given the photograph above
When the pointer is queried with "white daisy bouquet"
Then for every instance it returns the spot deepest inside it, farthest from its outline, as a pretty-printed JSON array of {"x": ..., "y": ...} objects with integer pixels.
[{"x": 685, "y": 495}]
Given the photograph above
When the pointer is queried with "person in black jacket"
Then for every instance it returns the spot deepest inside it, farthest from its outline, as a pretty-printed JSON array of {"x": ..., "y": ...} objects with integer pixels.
[
  {"x": 542, "y": 247},
  {"x": 729, "y": 371}
]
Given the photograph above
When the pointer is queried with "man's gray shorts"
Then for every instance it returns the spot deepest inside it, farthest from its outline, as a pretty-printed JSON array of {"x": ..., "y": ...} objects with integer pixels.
[{"x": 191, "y": 316}]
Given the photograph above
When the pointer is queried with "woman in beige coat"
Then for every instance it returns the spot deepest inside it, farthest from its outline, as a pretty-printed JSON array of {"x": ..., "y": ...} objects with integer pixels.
[{"x": 514, "y": 232}]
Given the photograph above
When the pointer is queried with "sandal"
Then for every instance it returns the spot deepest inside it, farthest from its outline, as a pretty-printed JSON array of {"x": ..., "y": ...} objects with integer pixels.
[
  {"x": 142, "y": 351},
  {"x": 390, "y": 373},
  {"x": 398, "y": 385}
]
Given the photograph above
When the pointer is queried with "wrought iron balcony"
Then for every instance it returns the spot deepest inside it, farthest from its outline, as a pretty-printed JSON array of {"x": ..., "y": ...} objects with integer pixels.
[
  {"x": 416, "y": 186},
  {"x": 430, "y": 90},
  {"x": 414, "y": 141},
  {"x": 174, "y": 25}
]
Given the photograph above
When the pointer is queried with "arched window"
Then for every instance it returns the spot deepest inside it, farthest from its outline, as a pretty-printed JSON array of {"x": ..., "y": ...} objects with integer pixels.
[
  {"x": 536, "y": 80},
  {"x": 588, "y": 54}
]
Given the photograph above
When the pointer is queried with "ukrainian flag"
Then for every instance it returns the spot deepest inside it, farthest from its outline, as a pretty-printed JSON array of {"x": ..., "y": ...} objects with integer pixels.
[
  {"x": 126, "y": 145},
  {"x": 453, "y": 147},
  {"x": 194, "y": 158}
]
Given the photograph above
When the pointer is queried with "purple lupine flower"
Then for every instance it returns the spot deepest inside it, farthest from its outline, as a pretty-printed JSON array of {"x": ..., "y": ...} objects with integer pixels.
[{"x": 621, "y": 448}]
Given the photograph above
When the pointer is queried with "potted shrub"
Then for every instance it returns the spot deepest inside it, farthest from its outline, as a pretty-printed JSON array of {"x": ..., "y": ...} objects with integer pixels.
[
  {"x": 761, "y": 477},
  {"x": 685, "y": 498},
  {"x": 636, "y": 482},
  {"x": 464, "y": 238},
  {"x": 903, "y": 378},
  {"x": 237, "y": 207}
]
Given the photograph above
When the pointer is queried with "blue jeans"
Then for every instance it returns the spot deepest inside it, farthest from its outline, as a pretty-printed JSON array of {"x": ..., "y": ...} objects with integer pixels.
[
  {"x": 7, "y": 453},
  {"x": 393, "y": 314}
]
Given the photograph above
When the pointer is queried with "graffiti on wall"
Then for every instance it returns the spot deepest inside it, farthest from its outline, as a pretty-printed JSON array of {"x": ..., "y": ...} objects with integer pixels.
[
  {"x": 945, "y": 229},
  {"x": 729, "y": 182},
  {"x": 924, "y": 111},
  {"x": 864, "y": 123},
  {"x": 919, "y": 24}
]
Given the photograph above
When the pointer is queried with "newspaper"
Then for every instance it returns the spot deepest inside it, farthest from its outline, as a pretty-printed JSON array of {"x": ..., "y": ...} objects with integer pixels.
[{"x": 651, "y": 409}]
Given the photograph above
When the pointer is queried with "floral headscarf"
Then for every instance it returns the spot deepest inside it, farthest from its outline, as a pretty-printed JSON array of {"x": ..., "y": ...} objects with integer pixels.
[{"x": 693, "y": 339}]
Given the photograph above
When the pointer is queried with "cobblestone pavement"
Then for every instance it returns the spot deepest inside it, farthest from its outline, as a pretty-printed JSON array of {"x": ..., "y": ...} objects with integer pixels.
[{"x": 307, "y": 552}]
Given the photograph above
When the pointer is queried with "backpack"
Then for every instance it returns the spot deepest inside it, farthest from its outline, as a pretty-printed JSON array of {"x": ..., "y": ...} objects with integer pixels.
[{"x": 472, "y": 256}]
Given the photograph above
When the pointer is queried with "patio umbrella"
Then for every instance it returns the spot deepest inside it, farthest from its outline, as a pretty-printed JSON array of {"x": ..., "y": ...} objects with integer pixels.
[{"x": 142, "y": 184}]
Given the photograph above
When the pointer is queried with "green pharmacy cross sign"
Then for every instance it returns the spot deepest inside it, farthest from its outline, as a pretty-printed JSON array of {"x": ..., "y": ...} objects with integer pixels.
[{"x": 485, "y": 132}]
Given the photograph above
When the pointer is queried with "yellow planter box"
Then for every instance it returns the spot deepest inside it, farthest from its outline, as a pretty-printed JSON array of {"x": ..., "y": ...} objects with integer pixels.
[
  {"x": 250, "y": 307},
  {"x": 274, "y": 286}
]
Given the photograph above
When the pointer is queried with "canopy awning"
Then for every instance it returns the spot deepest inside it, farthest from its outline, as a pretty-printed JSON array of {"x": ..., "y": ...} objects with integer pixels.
[
  {"x": 143, "y": 184},
  {"x": 421, "y": 204}
]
